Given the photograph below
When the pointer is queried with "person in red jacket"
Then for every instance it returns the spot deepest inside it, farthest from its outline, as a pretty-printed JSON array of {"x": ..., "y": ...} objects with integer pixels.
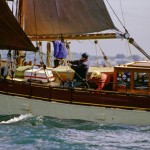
[{"x": 99, "y": 79}]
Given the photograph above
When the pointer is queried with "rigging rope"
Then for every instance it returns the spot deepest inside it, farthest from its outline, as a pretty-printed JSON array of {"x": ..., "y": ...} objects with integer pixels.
[
  {"x": 127, "y": 43},
  {"x": 126, "y": 35},
  {"x": 122, "y": 13},
  {"x": 104, "y": 56},
  {"x": 117, "y": 16},
  {"x": 129, "y": 50}
]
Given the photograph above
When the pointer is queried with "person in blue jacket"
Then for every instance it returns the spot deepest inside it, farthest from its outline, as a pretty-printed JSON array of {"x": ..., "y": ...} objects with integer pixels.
[{"x": 60, "y": 52}]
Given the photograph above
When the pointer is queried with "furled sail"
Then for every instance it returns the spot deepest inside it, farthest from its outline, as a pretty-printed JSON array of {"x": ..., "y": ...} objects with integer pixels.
[
  {"x": 11, "y": 34},
  {"x": 65, "y": 17}
]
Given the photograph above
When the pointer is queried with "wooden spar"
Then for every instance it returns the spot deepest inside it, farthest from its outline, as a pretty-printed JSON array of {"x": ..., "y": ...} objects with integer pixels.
[
  {"x": 20, "y": 20},
  {"x": 76, "y": 37},
  {"x": 19, "y": 17},
  {"x": 48, "y": 58},
  {"x": 40, "y": 52}
]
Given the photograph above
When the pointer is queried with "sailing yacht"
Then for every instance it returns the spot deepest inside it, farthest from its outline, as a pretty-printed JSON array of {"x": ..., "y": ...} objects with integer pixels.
[{"x": 126, "y": 100}]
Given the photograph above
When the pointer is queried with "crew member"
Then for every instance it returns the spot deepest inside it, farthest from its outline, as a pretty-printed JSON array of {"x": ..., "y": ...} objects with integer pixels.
[
  {"x": 80, "y": 67},
  {"x": 60, "y": 52},
  {"x": 99, "y": 79}
]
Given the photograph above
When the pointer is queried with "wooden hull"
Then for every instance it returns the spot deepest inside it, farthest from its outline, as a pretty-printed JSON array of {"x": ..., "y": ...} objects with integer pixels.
[{"x": 106, "y": 107}]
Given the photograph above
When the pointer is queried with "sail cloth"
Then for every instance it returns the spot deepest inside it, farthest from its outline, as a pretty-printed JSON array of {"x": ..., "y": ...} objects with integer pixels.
[
  {"x": 65, "y": 17},
  {"x": 11, "y": 34}
]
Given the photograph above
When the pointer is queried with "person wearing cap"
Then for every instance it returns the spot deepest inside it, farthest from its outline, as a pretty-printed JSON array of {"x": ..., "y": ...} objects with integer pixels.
[
  {"x": 99, "y": 79},
  {"x": 80, "y": 67}
]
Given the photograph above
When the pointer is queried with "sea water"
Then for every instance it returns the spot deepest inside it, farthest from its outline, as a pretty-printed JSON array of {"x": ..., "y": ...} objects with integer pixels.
[{"x": 26, "y": 132}]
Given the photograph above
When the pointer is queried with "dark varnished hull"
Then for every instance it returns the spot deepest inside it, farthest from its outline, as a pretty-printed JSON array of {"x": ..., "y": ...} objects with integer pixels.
[{"x": 43, "y": 92}]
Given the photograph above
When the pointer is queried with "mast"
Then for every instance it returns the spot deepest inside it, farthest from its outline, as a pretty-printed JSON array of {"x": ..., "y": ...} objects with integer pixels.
[
  {"x": 48, "y": 58},
  {"x": 20, "y": 20}
]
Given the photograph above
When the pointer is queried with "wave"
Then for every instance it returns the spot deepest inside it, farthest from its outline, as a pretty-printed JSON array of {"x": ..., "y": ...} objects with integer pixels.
[{"x": 16, "y": 119}]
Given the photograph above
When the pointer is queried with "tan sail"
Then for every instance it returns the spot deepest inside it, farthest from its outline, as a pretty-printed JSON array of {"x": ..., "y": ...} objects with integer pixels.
[
  {"x": 11, "y": 34},
  {"x": 64, "y": 17}
]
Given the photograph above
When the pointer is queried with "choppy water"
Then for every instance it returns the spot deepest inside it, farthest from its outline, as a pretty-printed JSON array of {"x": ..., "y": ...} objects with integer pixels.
[{"x": 26, "y": 132}]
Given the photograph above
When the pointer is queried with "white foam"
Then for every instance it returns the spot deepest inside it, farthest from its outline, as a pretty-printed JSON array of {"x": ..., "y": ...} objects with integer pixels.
[{"x": 16, "y": 119}]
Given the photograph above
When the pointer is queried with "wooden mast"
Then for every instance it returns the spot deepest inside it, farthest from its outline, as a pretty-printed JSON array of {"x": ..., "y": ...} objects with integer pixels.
[
  {"x": 20, "y": 20},
  {"x": 48, "y": 58}
]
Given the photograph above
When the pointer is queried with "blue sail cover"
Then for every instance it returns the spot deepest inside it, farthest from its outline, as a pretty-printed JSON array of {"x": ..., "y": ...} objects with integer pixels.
[{"x": 60, "y": 50}]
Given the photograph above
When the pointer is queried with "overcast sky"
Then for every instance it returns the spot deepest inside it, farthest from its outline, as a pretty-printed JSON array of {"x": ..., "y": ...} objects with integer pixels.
[{"x": 137, "y": 21}]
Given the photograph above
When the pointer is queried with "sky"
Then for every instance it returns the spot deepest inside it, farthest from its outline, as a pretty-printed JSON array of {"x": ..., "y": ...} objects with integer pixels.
[{"x": 136, "y": 14}]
